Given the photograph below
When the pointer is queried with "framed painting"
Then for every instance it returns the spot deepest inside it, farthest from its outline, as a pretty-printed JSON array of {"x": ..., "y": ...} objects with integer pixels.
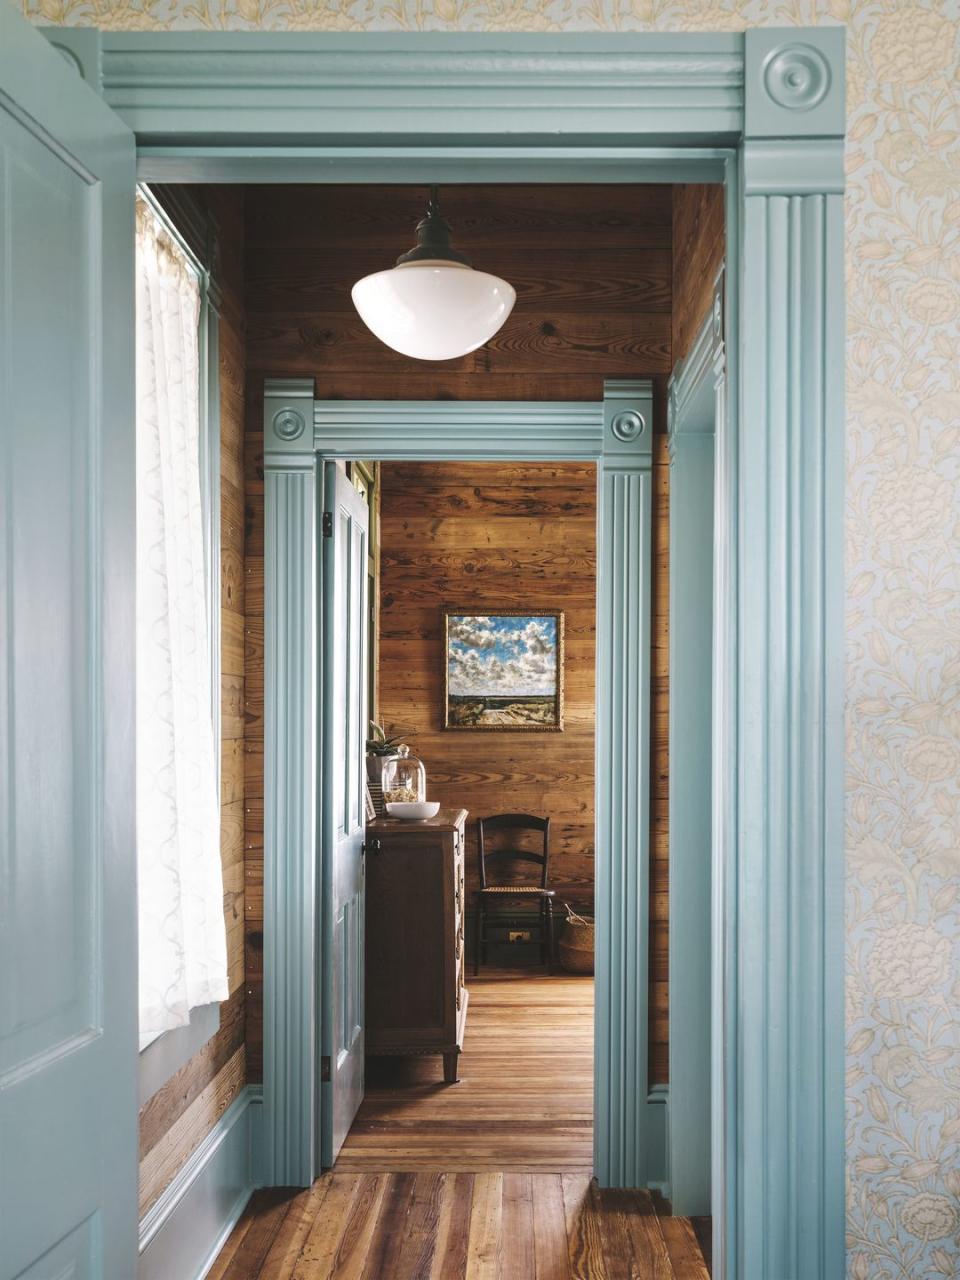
[{"x": 503, "y": 670}]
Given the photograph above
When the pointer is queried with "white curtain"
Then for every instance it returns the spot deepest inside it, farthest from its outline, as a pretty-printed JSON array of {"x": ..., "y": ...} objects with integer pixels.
[{"x": 183, "y": 959}]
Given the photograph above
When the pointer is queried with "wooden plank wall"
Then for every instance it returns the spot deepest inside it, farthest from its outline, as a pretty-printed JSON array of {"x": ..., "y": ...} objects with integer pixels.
[
  {"x": 658, "y": 1065},
  {"x": 592, "y": 266},
  {"x": 176, "y": 1119},
  {"x": 488, "y": 536},
  {"x": 699, "y": 246}
]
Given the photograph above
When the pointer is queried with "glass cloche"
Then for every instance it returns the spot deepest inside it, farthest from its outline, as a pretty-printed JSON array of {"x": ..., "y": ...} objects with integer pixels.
[{"x": 404, "y": 779}]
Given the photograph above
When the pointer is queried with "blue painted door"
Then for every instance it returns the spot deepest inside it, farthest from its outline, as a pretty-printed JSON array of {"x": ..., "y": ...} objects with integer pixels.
[
  {"x": 68, "y": 915},
  {"x": 344, "y": 614}
]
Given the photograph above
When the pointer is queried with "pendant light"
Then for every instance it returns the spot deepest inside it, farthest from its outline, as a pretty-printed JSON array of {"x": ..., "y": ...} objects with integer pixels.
[{"x": 432, "y": 305}]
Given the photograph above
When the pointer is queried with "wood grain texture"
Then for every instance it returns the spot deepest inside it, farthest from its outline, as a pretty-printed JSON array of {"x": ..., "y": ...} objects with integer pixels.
[
  {"x": 659, "y": 938},
  {"x": 177, "y": 1118},
  {"x": 593, "y": 267},
  {"x": 446, "y": 1226},
  {"x": 699, "y": 246},
  {"x": 172, "y": 1150},
  {"x": 489, "y": 1178},
  {"x": 168, "y": 1104},
  {"x": 531, "y": 221},
  {"x": 525, "y": 1097},
  {"x": 494, "y": 554},
  {"x": 414, "y": 999}
]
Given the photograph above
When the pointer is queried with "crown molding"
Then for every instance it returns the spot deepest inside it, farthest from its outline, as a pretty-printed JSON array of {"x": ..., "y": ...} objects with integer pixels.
[{"x": 316, "y": 87}]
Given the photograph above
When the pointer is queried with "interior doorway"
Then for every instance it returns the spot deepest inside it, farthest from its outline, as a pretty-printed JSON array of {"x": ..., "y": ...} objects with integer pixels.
[
  {"x": 481, "y": 660},
  {"x": 518, "y": 533},
  {"x": 785, "y": 199},
  {"x": 605, "y": 308}
]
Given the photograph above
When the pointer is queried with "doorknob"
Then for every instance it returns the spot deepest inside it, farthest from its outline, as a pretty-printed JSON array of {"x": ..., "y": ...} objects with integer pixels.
[{"x": 372, "y": 846}]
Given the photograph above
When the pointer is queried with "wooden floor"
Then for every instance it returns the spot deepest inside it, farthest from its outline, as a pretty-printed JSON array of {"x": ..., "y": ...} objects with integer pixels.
[
  {"x": 488, "y": 1179},
  {"x": 525, "y": 1097}
]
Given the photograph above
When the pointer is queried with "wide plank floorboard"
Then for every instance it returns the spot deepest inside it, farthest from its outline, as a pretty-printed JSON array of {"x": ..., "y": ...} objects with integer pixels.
[
  {"x": 525, "y": 1098},
  {"x": 488, "y": 1179}
]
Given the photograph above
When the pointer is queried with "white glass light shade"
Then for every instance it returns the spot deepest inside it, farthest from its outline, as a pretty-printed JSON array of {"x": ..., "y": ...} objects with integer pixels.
[{"x": 433, "y": 310}]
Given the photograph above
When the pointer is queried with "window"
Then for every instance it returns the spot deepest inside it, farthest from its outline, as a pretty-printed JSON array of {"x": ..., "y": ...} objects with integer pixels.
[{"x": 182, "y": 948}]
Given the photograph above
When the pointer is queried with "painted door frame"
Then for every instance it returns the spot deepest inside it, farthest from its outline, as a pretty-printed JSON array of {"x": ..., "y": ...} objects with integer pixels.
[
  {"x": 301, "y": 436},
  {"x": 763, "y": 112},
  {"x": 697, "y": 395}
]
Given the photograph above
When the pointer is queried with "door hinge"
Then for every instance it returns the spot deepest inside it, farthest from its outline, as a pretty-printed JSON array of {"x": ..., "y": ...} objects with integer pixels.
[
  {"x": 327, "y": 524},
  {"x": 325, "y": 1069}
]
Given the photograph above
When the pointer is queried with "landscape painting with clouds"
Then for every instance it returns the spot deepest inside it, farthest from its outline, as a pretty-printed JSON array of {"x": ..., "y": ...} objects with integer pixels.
[{"x": 504, "y": 671}]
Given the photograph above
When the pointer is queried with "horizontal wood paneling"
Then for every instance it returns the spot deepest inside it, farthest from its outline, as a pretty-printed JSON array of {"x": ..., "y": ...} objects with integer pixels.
[
  {"x": 699, "y": 245},
  {"x": 173, "y": 1148},
  {"x": 591, "y": 265},
  {"x": 593, "y": 270},
  {"x": 533, "y": 221},
  {"x": 161, "y": 1112},
  {"x": 589, "y": 278},
  {"x": 175, "y": 1120},
  {"x": 487, "y": 557},
  {"x": 607, "y": 346}
]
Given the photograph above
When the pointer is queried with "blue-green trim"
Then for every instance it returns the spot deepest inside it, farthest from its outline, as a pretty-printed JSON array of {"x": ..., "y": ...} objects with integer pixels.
[
  {"x": 184, "y": 1231},
  {"x": 624, "y": 1153},
  {"x": 338, "y": 88},
  {"x": 789, "y": 717},
  {"x": 794, "y": 83},
  {"x": 618, "y": 434},
  {"x": 777, "y": 159},
  {"x": 445, "y": 164},
  {"x": 725, "y": 763},
  {"x": 291, "y": 728},
  {"x": 458, "y": 430},
  {"x": 694, "y": 388}
]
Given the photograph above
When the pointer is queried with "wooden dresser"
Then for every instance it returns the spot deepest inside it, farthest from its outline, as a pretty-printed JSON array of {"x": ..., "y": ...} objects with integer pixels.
[{"x": 416, "y": 1001}]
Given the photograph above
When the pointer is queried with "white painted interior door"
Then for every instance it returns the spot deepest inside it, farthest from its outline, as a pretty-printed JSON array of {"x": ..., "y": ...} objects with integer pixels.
[
  {"x": 68, "y": 915},
  {"x": 342, "y": 805}
]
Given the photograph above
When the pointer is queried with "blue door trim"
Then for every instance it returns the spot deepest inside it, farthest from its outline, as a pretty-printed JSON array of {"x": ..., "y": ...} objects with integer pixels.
[
  {"x": 697, "y": 391},
  {"x": 617, "y": 434},
  {"x": 766, "y": 105}
]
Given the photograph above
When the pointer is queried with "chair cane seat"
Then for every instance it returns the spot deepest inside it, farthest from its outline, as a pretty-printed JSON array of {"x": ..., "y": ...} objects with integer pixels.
[{"x": 518, "y": 888}]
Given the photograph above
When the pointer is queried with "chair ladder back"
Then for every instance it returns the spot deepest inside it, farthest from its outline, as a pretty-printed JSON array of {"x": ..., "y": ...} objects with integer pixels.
[{"x": 514, "y": 822}]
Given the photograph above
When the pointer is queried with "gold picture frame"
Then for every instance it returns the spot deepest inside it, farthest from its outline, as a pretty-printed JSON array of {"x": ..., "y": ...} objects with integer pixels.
[{"x": 488, "y": 650}]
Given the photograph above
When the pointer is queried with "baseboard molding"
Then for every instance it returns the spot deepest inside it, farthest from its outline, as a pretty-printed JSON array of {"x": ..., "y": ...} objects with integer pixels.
[
  {"x": 658, "y": 1111},
  {"x": 184, "y": 1231}
]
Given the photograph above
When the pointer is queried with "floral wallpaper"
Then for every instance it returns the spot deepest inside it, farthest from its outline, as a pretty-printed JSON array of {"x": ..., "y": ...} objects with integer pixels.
[{"x": 903, "y": 553}]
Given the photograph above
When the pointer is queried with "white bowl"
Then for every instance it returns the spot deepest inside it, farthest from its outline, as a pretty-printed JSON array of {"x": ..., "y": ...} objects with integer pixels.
[{"x": 414, "y": 810}]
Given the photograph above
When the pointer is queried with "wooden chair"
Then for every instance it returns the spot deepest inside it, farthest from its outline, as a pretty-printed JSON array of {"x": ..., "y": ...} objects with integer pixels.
[{"x": 514, "y": 822}]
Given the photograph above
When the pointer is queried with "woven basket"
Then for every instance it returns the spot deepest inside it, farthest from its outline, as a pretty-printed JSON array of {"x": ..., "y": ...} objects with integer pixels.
[{"x": 576, "y": 944}]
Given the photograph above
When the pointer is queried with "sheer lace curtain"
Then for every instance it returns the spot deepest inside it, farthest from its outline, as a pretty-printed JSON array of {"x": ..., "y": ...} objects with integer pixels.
[{"x": 183, "y": 960}]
